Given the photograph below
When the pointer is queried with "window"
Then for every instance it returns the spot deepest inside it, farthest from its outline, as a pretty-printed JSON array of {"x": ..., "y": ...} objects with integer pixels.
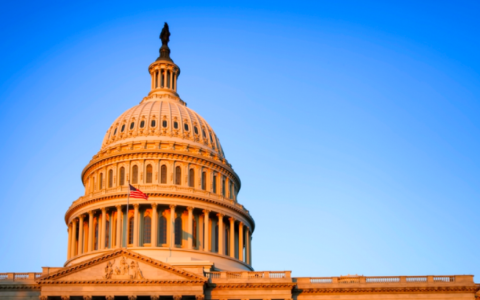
[
  {"x": 149, "y": 173},
  {"x": 107, "y": 233},
  {"x": 155, "y": 77},
  {"x": 142, "y": 124},
  {"x": 123, "y": 128},
  {"x": 100, "y": 181},
  {"x": 122, "y": 176},
  {"x": 130, "y": 230},
  {"x": 162, "y": 79},
  {"x": 178, "y": 231},
  {"x": 168, "y": 78},
  {"x": 115, "y": 132},
  {"x": 163, "y": 174},
  {"x": 175, "y": 125},
  {"x": 163, "y": 230},
  {"x": 194, "y": 234},
  {"x": 178, "y": 175},
  {"x": 215, "y": 246},
  {"x": 195, "y": 129},
  {"x": 214, "y": 183},
  {"x": 223, "y": 186},
  {"x": 185, "y": 126},
  {"x": 132, "y": 125},
  {"x": 227, "y": 241},
  {"x": 153, "y": 123},
  {"x": 135, "y": 174},
  {"x": 211, "y": 140},
  {"x": 204, "y": 180},
  {"x": 164, "y": 123},
  {"x": 96, "y": 234},
  {"x": 230, "y": 192},
  {"x": 110, "y": 178},
  {"x": 191, "y": 178},
  {"x": 147, "y": 230},
  {"x": 204, "y": 135}
]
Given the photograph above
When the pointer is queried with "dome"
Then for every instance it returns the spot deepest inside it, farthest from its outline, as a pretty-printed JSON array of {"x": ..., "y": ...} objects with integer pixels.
[{"x": 162, "y": 118}]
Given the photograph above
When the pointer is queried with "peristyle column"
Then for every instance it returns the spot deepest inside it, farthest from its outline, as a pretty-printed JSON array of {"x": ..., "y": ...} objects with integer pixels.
[
  {"x": 206, "y": 235},
  {"x": 80, "y": 235},
  {"x": 90, "y": 231},
  {"x": 135, "y": 225},
  {"x": 172, "y": 224},
  {"x": 232, "y": 237},
  {"x": 153, "y": 239},
  {"x": 74, "y": 237},
  {"x": 240, "y": 241},
  {"x": 221, "y": 233},
  {"x": 118, "y": 240},
  {"x": 102, "y": 230},
  {"x": 190, "y": 226}
]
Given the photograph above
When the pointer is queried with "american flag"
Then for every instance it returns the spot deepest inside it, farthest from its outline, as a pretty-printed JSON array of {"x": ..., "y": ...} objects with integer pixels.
[{"x": 136, "y": 193}]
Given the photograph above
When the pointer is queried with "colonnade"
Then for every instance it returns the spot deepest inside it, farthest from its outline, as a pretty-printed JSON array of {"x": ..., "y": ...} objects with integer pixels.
[
  {"x": 154, "y": 225},
  {"x": 164, "y": 78}
]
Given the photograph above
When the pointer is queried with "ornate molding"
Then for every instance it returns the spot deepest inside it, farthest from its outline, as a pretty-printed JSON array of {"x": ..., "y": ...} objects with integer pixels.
[
  {"x": 254, "y": 286},
  {"x": 23, "y": 287},
  {"x": 433, "y": 289}
]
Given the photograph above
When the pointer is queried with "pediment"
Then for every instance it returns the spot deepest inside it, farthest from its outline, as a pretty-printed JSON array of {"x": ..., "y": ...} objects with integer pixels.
[{"x": 121, "y": 266}]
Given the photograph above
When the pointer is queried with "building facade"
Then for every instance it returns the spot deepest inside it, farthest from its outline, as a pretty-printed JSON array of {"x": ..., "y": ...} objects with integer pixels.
[{"x": 191, "y": 239}]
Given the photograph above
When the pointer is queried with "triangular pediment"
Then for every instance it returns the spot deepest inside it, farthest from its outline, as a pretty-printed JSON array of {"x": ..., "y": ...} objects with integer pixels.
[{"x": 121, "y": 265}]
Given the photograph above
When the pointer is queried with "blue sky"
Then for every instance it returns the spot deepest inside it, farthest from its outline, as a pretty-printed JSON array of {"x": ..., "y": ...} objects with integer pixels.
[{"x": 354, "y": 126}]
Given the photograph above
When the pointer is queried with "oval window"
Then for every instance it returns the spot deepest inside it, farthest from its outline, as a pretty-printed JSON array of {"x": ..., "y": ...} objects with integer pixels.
[
  {"x": 123, "y": 127},
  {"x": 203, "y": 132},
  {"x": 131, "y": 125},
  {"x": 164, "y": 123},
  {"x": 195, "y": 129},
  {"x": 185, "y": 126},
  {"x": 175, "y": 125},
  {"x": 153, "y": 123},
  {"x": 211, "y": 141},
  {"x": 115, "y": 132},
  {"x": 142, "y": 124}
]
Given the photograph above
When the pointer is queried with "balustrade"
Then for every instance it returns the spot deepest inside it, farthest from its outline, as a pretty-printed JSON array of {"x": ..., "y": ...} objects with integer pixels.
[
  {"x": 19, "y": 276},
  {"x": 386, "y": 279}
]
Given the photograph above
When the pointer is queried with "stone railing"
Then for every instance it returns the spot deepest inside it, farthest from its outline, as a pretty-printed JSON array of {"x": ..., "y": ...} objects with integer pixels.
[
  {"x": 18, "y": 276},
  {"x": 386, "y": 279},
  {"x": 249, "y": 275}
]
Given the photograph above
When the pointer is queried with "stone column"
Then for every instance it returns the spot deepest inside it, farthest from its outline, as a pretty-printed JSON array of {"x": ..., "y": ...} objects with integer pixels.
[
  {"x": 101, "y": 240},
  {"x": 69, "y": 250},
  {"x": 153, "y": 239},
  {"x": 190, "y": 227},
  {"x": 232, "y": 237},
  {"x": 74, "y": 237},
  {"x": 206, "y": 235},
  {"x": 172, "y": 224},
  {"x": 250, "y": 250},
  {"x": 247, "y": 246},
  {"x": 221, "y": 233},
  {"x": 80, "y": 235},
  {"x": 90, "y": 231},
  {"x": 136, "y": 230},
  {"x": 118, "y": 239},
  {"x": 240, "y": 241}
]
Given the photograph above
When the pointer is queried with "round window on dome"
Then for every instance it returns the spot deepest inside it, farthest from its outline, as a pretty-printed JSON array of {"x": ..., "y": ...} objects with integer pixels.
[
  {"x": 153, "y": 123},
  {"x": 195, "y": 129},
  {"x": 175, "y": 125},
  {"x": 123, "y": 128},
  {"x": 115, "y": 132},
  {"x": 132, "y": 125},
  {"x": 142, "y": 124},
  {"x": 204, "y": 135},
  {"x": 164, "y": 123},
  {"x": 185, "y": 126}
]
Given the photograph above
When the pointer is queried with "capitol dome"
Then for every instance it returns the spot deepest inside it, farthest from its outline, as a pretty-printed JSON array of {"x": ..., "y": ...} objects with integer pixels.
[{"x": 190, "y": 215}]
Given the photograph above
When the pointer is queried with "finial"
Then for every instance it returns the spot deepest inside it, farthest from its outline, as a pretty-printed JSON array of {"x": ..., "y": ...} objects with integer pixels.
[{"x": 165, "y": 38}]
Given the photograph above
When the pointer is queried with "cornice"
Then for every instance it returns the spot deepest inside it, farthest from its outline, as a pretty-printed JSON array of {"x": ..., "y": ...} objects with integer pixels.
[
  {"x": 433, "y": 289},
  {"x": 252, "y": 286},
  {"x": 22, "y": 287},
  {"x": 124, "y": 282}
]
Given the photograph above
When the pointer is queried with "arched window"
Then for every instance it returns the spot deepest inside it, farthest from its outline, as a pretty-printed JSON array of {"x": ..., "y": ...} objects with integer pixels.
[
  {"x": 227, "y": 241},
  {"x": 123, "y": 128},
  {"x": 230, "y": 191},
  {"x": 110, "y": 178},
  {"x": 191, "y": 177},
  {"x": 214, "y": 183},
  {"x": 153, "y": 123},
  {"x": 147, "y": 229},
  {"x": 163, "y": 174},
  {"x": 132, "y": 125},
  {"x": 178, "y": 231},
  {"x": 135, "y": 174},
  {"x": 115, "y": 132},
  {"x": 100, "y": 181},
  {"x": 194, "y": 234},
  {"x": 204, "y": 180},
  {"x": 175, "y": 125},
  {"x": 195, "y": 129},
  {"x": 122, "y": 176},
  {"x": 107, "y": 233},
  {"x": 131, "y": 228},
  {"x": 178, "y": 175},
  {"x": 163, "y": 230},
  {"x": 142, "y": 124},
  {"x": 164, "y": 123},
  {"x": 223, "y": 186},
  {"x": 185, "y": 126},
  {"x": 149, "y": 173}
]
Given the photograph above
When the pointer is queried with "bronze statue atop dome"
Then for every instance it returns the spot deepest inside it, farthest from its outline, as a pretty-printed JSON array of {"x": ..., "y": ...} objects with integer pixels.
[
  {"x": 165, "y": 38},
  {"x": 165, "y": 34}
]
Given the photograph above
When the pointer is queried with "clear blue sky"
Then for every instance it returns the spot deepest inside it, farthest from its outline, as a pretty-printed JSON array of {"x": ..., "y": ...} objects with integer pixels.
[{"x": 354, "y": 125}]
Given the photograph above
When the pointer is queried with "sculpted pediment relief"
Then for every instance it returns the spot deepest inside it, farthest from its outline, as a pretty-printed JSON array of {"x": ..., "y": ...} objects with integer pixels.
[{"x": 121, "y": 266}]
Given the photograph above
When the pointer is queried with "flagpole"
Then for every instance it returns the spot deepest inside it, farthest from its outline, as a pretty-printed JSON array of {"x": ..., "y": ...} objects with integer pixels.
[{"x": 128, "y": 200}]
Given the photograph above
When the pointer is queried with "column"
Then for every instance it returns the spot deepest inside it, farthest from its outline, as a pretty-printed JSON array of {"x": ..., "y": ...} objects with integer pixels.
[
  {"x": 118, "y": 240},
  {"x": 90, "y": 231},
  {"x": 135, "y": 225},
  {"x": 247, "y": 246},
  {"x": 80, "y": 235},
  {"x": 172, "y": 224},
  {"x": 221, "y": 233},
  {"x": 101, "y": 240},
  {"x": 250, "y": 250},
  {"x": 232, "y": 237},
  {"x": 165, "y": 78},
  {"x": 190, "y": 226},
  {"x": 69, "y": 241},
  {"x": 154, "y": 231},
  {"x": 74, "y": 237},
  {"x": 240, "y": 241},
  {"x": 206, "y": 235}
]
